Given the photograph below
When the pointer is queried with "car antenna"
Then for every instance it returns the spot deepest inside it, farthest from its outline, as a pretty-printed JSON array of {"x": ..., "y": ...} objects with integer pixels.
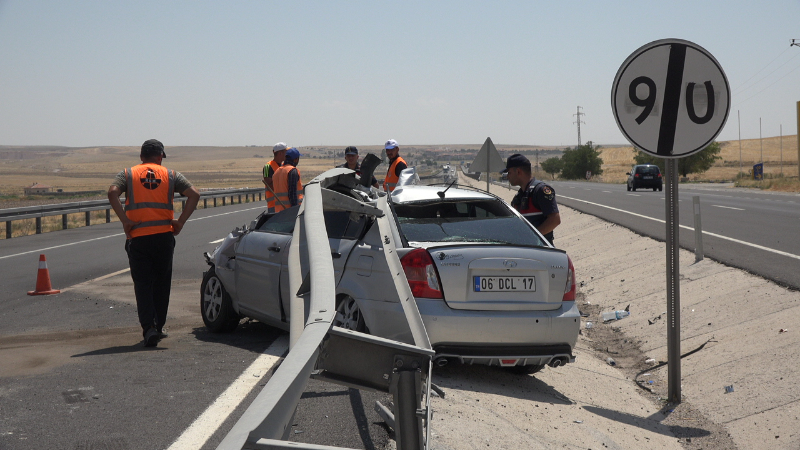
[{"x": 441, "y": 193}]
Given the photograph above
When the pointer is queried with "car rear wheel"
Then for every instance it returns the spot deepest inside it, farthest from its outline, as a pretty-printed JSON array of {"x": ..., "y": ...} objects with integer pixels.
[
  {"x": 526, "y": 370},
  {"x": 216, "y": 306},
  {"x": 348, "y": 315},
  {"x": 629, "y": 187}
]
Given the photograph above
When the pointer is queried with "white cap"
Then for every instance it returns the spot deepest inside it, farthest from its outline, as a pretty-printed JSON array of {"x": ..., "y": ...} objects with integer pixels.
[
  {"x": 391, "y": 143},
  {"x": 279, "y": 147}
]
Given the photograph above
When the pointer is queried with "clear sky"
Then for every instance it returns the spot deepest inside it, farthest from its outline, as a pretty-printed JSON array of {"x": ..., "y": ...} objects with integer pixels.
[{"x": 108, "y": 72}]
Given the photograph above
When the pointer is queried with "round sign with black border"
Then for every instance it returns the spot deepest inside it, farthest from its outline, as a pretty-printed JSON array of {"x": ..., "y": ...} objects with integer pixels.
[{"x": 671, "y": 98}]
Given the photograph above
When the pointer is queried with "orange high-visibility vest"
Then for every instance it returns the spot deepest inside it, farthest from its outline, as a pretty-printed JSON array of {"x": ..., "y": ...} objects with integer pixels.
[
  {"x": 281, "y": 185},
  {"x": 391, "y": 178},
  {"x": 148, "y": 198},
  {"x": 268, "y": 195}
]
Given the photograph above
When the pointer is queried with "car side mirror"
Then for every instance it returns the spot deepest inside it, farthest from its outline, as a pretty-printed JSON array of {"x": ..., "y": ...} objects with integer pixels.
[{"x": 627, "y": 173}]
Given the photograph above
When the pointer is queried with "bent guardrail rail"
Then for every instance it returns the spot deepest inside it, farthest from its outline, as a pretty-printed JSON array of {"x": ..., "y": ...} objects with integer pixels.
[
  {"x": 9, "y": 215},
  {"x": 333, "y": 354}
]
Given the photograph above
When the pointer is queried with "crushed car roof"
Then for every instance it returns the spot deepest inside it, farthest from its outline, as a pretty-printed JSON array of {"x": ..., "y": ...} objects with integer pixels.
[{"x": 413, "y": 193}]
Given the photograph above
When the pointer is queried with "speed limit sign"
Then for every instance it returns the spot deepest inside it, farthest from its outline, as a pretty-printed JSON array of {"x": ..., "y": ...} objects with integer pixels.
[{"x": 671, "y": 98}]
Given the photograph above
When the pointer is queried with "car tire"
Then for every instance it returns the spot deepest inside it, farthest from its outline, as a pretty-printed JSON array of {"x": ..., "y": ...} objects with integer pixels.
[
  {"x": 633, "y": 188},
  {"x": 216, "y": 306},
  {"x": 660, "y": 188},
  {"x": 348, "y": 315},
  {"x": 655, "y": 189},
  {"x": 629, "y": 187},
  {"x": 526, "y": 370}
]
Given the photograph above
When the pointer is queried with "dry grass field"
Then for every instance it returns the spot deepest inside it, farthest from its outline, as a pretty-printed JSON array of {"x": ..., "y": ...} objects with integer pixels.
[{"x": 618, "y": 160}]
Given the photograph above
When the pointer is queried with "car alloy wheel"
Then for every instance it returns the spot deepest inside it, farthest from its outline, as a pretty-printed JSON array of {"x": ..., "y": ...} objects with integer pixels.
[
  {"x": 348, "y": 315},
  {"x": 216, "y": 306}
]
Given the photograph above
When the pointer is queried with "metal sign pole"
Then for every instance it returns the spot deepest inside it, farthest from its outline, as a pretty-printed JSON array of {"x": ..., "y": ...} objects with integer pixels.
[{"x": 673, "y": 284}]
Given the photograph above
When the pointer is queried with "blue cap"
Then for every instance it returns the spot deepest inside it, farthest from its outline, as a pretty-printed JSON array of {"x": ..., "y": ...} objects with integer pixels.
[
  {"x": 292, "y": 153},
  {"x": 516, "y": 160}
]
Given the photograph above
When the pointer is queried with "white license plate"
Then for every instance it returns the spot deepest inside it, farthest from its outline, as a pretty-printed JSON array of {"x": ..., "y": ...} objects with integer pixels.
[
  {"x": 650, "y": 177},
  {"x": 504, "y": 284}
]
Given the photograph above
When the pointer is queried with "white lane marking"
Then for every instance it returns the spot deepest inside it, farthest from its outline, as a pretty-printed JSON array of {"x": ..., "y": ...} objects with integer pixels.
[
  {"x": 63, "y": 245},
  {"x": 215, "y": 415},
  {"x": 217, "y": 241},
  {"x": 749, "y": 244},
  {"x": 634, "y": 195},
  {"x": 75, "y": 286},
  {"x": 119, "y": 234},
  {"x": 608, "y": 192},
  {"x": 728, "y": 207}
]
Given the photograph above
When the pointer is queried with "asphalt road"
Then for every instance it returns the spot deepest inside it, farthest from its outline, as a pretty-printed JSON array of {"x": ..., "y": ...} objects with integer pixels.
[
  {"x": 744, "y": 228},
  {"x": 75, "y": 374}
]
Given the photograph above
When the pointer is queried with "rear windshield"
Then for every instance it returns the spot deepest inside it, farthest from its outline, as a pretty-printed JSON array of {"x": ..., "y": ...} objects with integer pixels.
[
  {"x": 488, "y": 221},
  {"x": 652, "y": 170}
]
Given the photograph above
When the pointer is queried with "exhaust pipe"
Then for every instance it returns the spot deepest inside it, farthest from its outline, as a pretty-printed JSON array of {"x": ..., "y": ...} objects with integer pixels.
[
  {"x": 555, "y": 362},
  {"x": 441, "y": 362}
]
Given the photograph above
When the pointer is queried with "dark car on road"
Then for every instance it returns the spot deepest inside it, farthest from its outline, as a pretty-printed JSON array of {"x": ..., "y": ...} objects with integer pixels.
[{"x": 645, "y": 176}]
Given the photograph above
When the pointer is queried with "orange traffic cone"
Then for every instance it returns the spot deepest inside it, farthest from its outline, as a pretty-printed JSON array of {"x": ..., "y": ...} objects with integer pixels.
[{"x": 43, "y": 280}]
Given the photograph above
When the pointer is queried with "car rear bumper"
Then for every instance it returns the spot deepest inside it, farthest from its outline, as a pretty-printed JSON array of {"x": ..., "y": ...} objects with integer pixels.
[{"x": 482, "y": 337}]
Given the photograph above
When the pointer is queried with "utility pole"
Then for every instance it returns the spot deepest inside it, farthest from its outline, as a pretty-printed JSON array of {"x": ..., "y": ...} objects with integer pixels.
[{"x": 579, "y": 114}]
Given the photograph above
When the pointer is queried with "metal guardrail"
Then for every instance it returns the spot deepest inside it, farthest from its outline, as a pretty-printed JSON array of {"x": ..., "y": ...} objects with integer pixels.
[
  {"x": 9, "y": 215},
  {"x": 332, "y": 354}
]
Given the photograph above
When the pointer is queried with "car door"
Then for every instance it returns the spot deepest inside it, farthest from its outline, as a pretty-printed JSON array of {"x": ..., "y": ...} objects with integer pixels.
[
  {"x": 344, "y": 230},
  {"x": 259, "y": 258}
]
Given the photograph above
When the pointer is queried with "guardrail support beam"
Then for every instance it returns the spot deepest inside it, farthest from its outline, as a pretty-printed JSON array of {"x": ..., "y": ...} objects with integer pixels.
[
  {"x": 88, "y": 218},
  {"x": 64, "y": 221},
  {"x": 38, "y": 225},
  {"x": 108, "y": 216},
  {"x": 8, "y": 229}
]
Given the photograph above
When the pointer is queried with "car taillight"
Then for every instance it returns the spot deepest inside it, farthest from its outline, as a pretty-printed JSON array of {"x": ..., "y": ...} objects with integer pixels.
[
  {"x": 636, "y": 175},
  {"x": 659, "y": 175},
  {"x": 421, "y": 274},
  {"x": 569, "y": 288}
]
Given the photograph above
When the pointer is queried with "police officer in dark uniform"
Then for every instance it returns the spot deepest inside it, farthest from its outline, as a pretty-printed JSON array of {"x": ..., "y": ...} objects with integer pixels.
[
  {"x": 535, "y": 200},
  {"x": 351, "y": 162}
]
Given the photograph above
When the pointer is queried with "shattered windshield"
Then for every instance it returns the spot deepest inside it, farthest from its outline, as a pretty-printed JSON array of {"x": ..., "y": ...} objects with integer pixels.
[{"x": 486, "y": 221}]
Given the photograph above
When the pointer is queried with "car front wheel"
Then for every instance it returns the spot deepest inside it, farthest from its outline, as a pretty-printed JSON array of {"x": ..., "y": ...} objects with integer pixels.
[
  {"x": 348, "y": 315},
  {"x": 216, "y": 306}
]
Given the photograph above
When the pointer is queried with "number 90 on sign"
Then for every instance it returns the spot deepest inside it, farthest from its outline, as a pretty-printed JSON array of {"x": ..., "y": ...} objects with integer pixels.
[{"x": 671, "y": 98}]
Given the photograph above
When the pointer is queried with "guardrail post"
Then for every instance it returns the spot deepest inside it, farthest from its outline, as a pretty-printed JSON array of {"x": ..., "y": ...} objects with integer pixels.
[
  {"x": 183, "y": 205},
  {"x": 64, "y": 221},
  {"x": 259, "y": 196},
  {"x": 38, "y": 225},
  {"x": 108, "y": 216},
  {"x": 205, "y": 203},
  {"x": 240, "y": 199},
  {"x": 8, "y": 229},
  {"x": 88, "y": 218},
  {"x": 215, "y": 202},
  {"x": 408, "y": 430},
  {"x": 223, "y": 201},
  {"x": 698, "y": 230}
]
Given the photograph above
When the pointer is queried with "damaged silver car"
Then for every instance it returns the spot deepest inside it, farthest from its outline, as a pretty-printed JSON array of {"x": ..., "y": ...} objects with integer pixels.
[{"x": 489, "y": 287}]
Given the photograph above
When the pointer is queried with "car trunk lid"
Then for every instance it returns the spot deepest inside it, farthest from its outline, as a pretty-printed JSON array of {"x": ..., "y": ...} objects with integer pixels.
[{"x": 523, "y": 279}]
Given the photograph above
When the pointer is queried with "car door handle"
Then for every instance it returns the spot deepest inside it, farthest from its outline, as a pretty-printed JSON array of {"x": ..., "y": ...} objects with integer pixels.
[
  {"x": 336, "y": 255},
  {"x": 274, "y": 249}
]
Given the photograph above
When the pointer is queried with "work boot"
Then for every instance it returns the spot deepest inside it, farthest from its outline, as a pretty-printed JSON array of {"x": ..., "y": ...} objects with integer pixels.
[{"x": 151, "y": 337}]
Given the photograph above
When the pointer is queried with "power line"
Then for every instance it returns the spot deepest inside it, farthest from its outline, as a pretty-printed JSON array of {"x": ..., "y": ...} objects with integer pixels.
[
  {"x": 794, "y": 43},
  {"x": 739, "y": 91}
]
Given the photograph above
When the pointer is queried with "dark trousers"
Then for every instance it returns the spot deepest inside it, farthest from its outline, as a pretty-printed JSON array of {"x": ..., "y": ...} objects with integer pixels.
[{"x": 150, "y": 258}]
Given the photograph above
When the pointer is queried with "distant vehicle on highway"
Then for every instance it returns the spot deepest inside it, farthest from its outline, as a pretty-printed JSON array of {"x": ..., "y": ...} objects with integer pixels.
[
  {"x": 489, "y": 287},
  {"x": 644, "y": 176}
]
